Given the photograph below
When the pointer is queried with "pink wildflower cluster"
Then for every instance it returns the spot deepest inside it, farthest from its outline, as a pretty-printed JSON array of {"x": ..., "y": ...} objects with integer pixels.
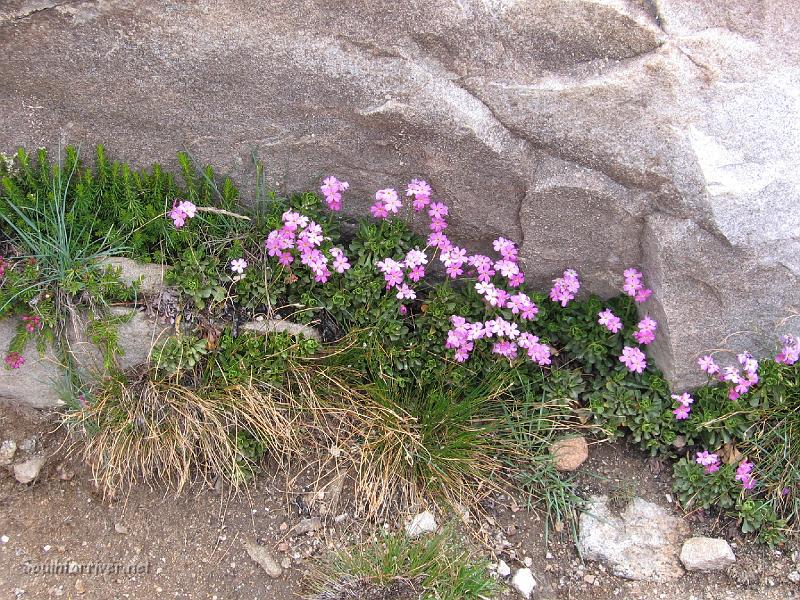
[
  {"x": 565, "y": 287},
  {"x": 181, "y": 212},
  {"x": 457, "y": 262},
  {"x": 645, "y": 334},
  {"x": 684, "y": 407},
  {"x": 14, "y": 360},
  {"x": 708, "y": 460},
  {"x": 32, "y": 322},
  {"x": 386, "y": 202},
  {"x": 789, "y": 354},
  {"x": 739, "y": 380},
  {"x": 421, "y": 192},
  {"x": 634, "y": 359},
  {"x": 609, "y": 320},
  {"x": 463, "y": 335},
  {"x": 744, "y": 474},
  {"x": 305, "y": 236},
  {"x": 646, "y": 331},
  {"x": 634, "y": 287},
  {"x": 395, "y": 273},
  {"x": 332, "y": 190}
]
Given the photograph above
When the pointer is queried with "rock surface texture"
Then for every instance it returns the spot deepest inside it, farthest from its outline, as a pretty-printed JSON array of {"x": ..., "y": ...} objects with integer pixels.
[
  {"x": 642, "y": 541},
  {"x": 599, "y": 134}
]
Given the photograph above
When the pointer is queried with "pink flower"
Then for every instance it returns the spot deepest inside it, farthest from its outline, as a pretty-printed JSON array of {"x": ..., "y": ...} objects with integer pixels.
[
  {"x": 332, "y": 189},
  {"x": 3, "y": 265},
  {"x": 506, "y": 248},
  {"x": 789, "y": 354},
  {"x": 454, "y": 270},
  {"x": 507, "y": 268},
  {"x": 437, "y": 239},
  {"x": 646, "y": 332},
  {"x": 565, "y": 287},
  {"x": 522, "y": 305},
  {"x": 403, "y": 310},
  {"x": 516, "y": 280},
  {"x": 181, "y": 212},
  {"x": 379, "y": 211},
  {"x": 406, "y": 293},
  {"x": 681, "y": 412},
  {"x": 279, "y": 240},
  {"x": 312, "y": 233},
  {"x": 748, "y": 363},
  {"x": 389, "y": 199},
  {"x": 609, "y": 320},
  {"x": 707, "y": 460},
  {"x": 707, "y": 365},
  {"x": 743, "y": 474},
  {"x": 340, "y": 262},
  {"x": 684, "y": 407},
  {"x": 415, "y": 258},
  {"x": 437, "y": 210},
  {"x": 285, "y": 259},
  {"x": 537, "y": 352},
  {"x": 645, "y": 337},
  {"x": 634, "y": 359},
  {"x": 506, "y": 349},
  {"x": 238, "y": 265},
  {"x": 416, "y": 273},
  {"x": 633, "y": 286},
  {"x": 14, "y": 360},
  {"x": 438, "y": 225},
  {"x": 293, "y": 220},
  {"x": 420, "y": 202},
  {"x": 32, "y": 323},
  {"x": 418, "y": 187}
]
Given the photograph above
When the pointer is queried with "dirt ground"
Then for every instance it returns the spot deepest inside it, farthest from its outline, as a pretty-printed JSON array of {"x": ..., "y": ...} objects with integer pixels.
[{"x": 192, "y": 546}]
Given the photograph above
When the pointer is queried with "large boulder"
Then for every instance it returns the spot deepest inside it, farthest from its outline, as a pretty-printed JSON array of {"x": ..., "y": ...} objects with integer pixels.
[{"x": 600, "y": 134}]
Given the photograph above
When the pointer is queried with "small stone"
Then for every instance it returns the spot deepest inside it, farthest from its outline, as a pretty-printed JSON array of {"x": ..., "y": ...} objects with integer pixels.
[
  {"x": 527, "y": 561},
  {"x": 503, "y": 569},
  {"x": 80, "y": 586},
  {"x": 4, "y": 539},
  {"x": 286, "y": 562},
  {"x": 524, "y": 582},
  {"x": 120, "y": 528},
  {"x": 307, "y": 526},
  {"x": 283, "y": 547},
  {"x": 65, "y": 473},
  {"x": 570, "y": 453},
  {"x": 794, "y": 576},
  {"x": 424, "y": 522},
  {"x": 7, "y": 450},
  {"x": 706, "y": 554},
  {"x": 28, "y": 445},
  {"x": 27, "y": 471},
  {"x": 264, "y": 558},
  {"x": 590, "y": 579}
]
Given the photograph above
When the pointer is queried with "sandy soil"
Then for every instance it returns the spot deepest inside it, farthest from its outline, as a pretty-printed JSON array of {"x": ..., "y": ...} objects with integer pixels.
[{"x": 192, "y": 546}]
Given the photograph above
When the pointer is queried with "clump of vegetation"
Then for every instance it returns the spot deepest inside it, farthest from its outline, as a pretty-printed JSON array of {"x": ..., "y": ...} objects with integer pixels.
[
  {"x": 440, "y": 373},
  {"x": 394, "y": 566}
]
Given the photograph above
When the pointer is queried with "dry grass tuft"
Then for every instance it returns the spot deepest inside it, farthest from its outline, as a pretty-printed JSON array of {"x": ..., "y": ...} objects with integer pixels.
[{"x": 142, "y": 428}]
